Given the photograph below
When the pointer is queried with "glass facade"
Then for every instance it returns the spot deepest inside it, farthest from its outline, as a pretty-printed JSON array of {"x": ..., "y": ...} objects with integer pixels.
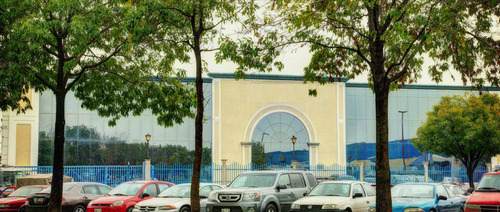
[{"x": 360, "y": 117}]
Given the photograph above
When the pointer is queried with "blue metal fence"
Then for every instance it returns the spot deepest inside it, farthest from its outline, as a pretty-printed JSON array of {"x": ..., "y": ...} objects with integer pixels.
[{"x": 182, "y": 173}]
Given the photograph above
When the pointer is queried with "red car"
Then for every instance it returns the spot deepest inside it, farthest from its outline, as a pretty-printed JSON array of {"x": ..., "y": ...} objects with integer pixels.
[
  {"x": 124, "y": 197},
  {"x": 486, "y": 197},
  {"x": 15, "y": 201},
  {"x": 7, "y": 190}
]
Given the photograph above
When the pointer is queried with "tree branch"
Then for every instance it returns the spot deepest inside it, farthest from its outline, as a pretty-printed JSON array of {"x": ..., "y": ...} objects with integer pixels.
[{"x": 45, "y": 82}]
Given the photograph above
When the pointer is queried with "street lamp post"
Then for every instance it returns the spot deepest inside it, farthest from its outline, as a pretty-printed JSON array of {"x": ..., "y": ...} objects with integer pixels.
[
  {"x": 293, "y": 139},
  {"x": 403, "y": 137},
  {"x": 148, "y": 137}
]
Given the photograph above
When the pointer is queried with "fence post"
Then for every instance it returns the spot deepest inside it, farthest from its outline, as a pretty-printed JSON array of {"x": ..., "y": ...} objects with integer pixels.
[
  {"x": 361, "y": 171},
  {"x": 489, "y": 167},
  {"x": 106, "y": 175},
  {"x": 224, "y": 171},
  {"x": 426, "y": 170},
  {"x": 147, "y": 170}
]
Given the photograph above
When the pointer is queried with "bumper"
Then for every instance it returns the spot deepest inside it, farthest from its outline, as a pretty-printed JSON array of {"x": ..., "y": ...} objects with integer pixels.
[
  {"x": 105, "y": 209},
  {"x": 234, "y": 207},
  {"x": 65, "y": 208},
  {"x": 9, "y": 209}
]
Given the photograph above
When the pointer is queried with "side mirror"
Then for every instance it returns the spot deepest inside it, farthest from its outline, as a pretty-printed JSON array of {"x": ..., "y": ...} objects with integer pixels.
[
  {"x": 203, "y": 197},
  {"x": 441, "y": 197},
  {"x": 356, "y": 195},
  {"x": 144, "y": 195},
  {"x": 470, "y": 190},
  {"x": 279, "y": 187},
  {"x": 305, "y": 193}
]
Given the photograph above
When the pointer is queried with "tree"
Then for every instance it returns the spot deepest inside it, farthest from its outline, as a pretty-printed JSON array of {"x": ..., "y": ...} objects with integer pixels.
[
  {"x": 388, "y": 40},
  {"x": 194, "y": 27},
  {"x": 465, "y": 127},
  {"x": 93, "y": 49}
]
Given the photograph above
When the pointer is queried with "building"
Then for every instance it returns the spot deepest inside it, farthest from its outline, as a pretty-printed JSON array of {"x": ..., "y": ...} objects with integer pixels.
[{"x": 335, "y": 127}]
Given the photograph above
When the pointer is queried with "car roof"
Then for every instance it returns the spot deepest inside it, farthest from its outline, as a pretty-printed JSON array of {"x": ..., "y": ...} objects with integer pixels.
[
  {"x": 149, "y": 181},
  {"x": 493, "y": 173},
  {"x": 342, "y": 181},
  {"x": 201, "y": 184},
  {"x": 422, "y": 183},
  {"x": 276, "y": 171}
]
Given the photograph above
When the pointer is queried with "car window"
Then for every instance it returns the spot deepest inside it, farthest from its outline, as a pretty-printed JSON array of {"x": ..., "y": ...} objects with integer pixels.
[
  {"x": 215, "y": 188},
  {"x": 297, "y": 181},
  {"x": 311, "y": 179},
  {"x": 104, "y": 189},
  {"x": 450, "y": 192},
  {"x": 205, "y": 191},
  {"x": 163, "y": 187},
  {"x": 284, "y": 180},
  {"x": 357, "y": 189},
  {"x": 458, "y": 190},
  {"x": 368, "y": 189},
  {"x": 89, "y": 189},
  {"x": 151, "y": 190},
  {"x": 441, "y": 191}
]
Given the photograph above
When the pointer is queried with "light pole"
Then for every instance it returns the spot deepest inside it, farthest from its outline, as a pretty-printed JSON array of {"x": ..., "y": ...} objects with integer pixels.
[
  {"x": 403, "y": 137},
  {"x": 148, "y": 137},
  {"x": 293, "y": 139}
]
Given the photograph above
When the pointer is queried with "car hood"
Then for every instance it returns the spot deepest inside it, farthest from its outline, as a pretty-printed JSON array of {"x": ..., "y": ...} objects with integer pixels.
[
  {"x": 320, "y": 200},
  {"x": 12, "y": 200},
  {"x": 230, "y": 190},
  {"x": 111, "y": 199},
  {"x": 155, "y": 202},
  {"x": 487, "y": 198},
  {"x": 399, "y": 204}
]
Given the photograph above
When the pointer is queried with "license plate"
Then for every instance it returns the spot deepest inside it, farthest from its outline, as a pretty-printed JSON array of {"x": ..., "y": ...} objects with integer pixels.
[
  {"x": 39, "y": 200},
  {"x": 98, "y": 210},
  {"x": 226, "y": 210}
]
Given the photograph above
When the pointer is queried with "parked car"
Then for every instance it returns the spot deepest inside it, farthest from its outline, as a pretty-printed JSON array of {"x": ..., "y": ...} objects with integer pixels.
[
  {"x": 76, "y": 197},
  {"x": 15, "y": 201},
  {"x": 458, "y": 190},
  {"x": 262, "y": 191},
  {"x": 352, "y": 196},
  {"x": 486, "y": 196},
  {"x": 124, "y": 197},
  {"x": 176, "y": 199},
  {"x": 423, "y": 197},
  {"x": 5, "y": 191}
]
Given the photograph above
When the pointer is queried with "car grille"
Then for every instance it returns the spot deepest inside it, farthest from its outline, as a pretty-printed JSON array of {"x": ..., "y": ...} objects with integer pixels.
[
  {"x": 310, "y": 208},
  {"x": 101, "y": 205},
  {"x": 229, "y": 197},
  {"x": 231, "y": 208},
  {"x": 147, "y": 208},
  {"x": 490, "y": 208}
]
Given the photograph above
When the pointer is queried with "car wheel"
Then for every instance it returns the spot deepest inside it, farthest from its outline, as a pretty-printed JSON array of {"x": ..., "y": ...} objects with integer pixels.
[
  {"x": 79, "y": 208},
  {"x": 22, "y": 209},
  {"x": 130, "y": 209},
  {"x": 185, "y": 209},
  {"x": 270, "y": 208}
]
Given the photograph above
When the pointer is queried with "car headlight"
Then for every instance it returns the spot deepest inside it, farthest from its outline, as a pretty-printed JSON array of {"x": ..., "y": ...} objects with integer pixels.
[
  {"x": 330, "y": 207},
  {"x": 253, "y": 196},
  {"x": 372, "y": 209},
  {"x": 117, "y": 203},
  {"x": 414, "y": 210},
  {"x": 4, "y": 205},
  {"x": 166, "y": 207},
  {"x": 90, "y": 203},
  {"x": 472, "y": 206},
  {"x": 295, "y": 207},
  {"x": 212, "y": 196},
  {"x": 137, "y": 207}
]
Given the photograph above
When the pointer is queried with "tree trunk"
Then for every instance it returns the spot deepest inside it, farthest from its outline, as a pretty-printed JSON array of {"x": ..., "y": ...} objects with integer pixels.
[
  {"x": 198, "y": 151},
  {"x": 58, "y": 163},
  {"x": 383, "y": 171},
  {"x": 470, "y": 174}
]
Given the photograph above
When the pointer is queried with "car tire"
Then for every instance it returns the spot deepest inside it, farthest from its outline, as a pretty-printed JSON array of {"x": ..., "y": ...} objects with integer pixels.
[
  {"x": 22, "y": 209},
  {"x": 270, "y": 208},
  {"x": 185, "y": 209},
  {"x": 79, "y": 208},
  {"x": 130, "y": 209}
]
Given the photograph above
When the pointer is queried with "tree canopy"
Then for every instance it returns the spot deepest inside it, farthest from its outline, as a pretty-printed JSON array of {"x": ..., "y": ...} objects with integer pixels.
[{"x": 465, "y": 127}]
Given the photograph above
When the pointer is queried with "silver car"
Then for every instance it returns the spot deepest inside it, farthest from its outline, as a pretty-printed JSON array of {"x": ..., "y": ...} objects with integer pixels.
[
  {"x": 352, "y": 196},
  {"x": 176, "y": 199}
]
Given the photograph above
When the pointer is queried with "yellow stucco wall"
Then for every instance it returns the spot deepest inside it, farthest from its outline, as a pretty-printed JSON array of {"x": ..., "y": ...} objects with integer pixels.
[{"x": 239, "y": 105}]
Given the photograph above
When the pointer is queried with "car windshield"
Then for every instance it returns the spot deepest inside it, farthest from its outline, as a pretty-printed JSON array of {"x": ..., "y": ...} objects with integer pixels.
[
  {"x": 458, "y": 190},
  {"x": 66, "y": 188},
  {"x": 413, "y": 191},
  {"x": 126, "y": 189},
  {"x": 178, "y": 191},
  {"x": 25, "y": 191},
  {"x": 331, "y": 189},
  {"x": 489, "y": 183},
  {"x": 254, "y": 180}
]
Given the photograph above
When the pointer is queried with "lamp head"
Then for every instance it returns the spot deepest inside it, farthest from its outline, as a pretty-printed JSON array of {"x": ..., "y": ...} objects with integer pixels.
[
  {"x": 293, "y": 139},
  {"x": 148, "y": 137}
]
